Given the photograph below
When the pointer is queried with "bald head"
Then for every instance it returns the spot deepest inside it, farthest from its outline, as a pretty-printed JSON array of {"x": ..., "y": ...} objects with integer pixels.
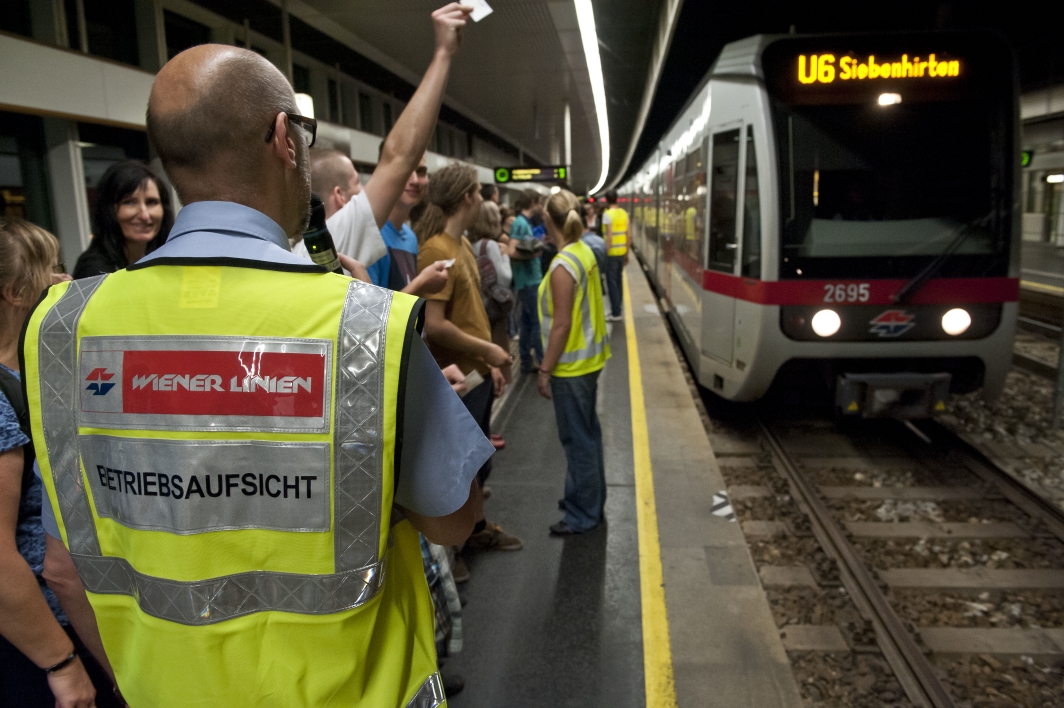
[
  {"x": 330, "y": 169},
  {"x": 208, "y": 115}
]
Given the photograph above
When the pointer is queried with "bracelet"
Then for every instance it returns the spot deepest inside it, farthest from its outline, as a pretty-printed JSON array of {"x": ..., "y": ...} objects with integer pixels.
[{"x": 62, "y": 664}]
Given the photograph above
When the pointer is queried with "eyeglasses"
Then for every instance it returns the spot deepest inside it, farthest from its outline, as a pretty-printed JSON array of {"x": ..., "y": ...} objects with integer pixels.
[{"x": 309, "y": 128}]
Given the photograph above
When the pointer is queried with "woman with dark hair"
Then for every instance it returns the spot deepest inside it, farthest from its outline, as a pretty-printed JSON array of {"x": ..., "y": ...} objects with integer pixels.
[{"x": 132, "y": 217}]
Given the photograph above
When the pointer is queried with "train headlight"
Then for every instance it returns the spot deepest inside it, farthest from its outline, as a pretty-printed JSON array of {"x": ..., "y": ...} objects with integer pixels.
[
  {"x": 956, "y": 321},
  {"x": 826, "y": 323}
]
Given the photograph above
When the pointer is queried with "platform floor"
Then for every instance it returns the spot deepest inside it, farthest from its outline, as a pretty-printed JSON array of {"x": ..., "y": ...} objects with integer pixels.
[{"x": 561, "y": 623}]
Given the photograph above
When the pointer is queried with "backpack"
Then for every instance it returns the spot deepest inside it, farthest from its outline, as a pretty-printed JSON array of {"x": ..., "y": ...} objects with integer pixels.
[
  {"x": 11, "y": 388},
  {"x": 498, "y": 301}
]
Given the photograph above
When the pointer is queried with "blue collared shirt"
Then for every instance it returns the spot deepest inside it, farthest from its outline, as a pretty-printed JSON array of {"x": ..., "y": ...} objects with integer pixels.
[{"x": 443, "y": 447}]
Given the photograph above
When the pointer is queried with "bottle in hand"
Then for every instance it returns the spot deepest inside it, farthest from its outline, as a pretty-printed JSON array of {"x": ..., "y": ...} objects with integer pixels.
[{"x": 318, "y": 240}]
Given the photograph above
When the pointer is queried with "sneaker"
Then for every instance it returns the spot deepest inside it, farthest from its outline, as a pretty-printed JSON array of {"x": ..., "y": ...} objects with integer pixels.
[
  {"x": 459, "y": 569},
  {"x": 493, "y": 538},
  {"x": 452, "y": 683},
  {"x": 614, "y": 318},
  {"x": 497, "y": 442}
]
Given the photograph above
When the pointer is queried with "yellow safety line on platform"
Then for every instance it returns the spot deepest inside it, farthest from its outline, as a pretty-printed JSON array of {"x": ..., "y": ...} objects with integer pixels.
[
  {"x": 657, "y": 651},
  {"x": 1041, "y": 286}
]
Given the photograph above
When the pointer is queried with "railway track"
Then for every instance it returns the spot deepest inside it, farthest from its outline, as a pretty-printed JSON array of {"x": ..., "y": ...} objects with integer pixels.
[
  {"x": 907, "y": 569},
  {"x": 922, "y": 489}
]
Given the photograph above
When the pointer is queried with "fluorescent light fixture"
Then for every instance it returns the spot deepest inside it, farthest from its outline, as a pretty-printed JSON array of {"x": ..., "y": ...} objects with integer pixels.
[
  {"x": 889, "y": 99},
  {"x": 305, "y": 105},
  {"x": 585, "y": 16},
  {"x": 1055, "y": 179}
]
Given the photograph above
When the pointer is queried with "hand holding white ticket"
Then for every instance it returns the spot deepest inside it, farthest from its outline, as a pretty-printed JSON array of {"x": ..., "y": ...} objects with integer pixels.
[
  {"x": 481, "y": 9},
  {"x": 472, "y": 380}
]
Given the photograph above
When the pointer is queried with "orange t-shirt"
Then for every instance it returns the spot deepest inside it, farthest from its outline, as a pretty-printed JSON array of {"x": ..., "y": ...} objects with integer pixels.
[{"x": 465, "y": 309}]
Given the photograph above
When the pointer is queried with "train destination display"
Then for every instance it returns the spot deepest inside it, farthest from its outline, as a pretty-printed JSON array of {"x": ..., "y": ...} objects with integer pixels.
[{"x": 821, "y": 68}]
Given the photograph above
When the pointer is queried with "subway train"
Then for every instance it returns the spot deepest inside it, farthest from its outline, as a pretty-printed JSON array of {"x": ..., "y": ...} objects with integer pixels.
[{"x": 841, "y": 207}]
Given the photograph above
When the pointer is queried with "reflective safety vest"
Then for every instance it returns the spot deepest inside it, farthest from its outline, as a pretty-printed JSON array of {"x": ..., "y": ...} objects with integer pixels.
[
  {"x": 588, "y": 346},
  {"x": 619, "y": 228},
  {"x": 219, "y": 447}
]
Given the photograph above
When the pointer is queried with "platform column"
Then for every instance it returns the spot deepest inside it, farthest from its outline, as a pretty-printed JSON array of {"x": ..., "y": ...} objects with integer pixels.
[{"x": 70, "y": 206}]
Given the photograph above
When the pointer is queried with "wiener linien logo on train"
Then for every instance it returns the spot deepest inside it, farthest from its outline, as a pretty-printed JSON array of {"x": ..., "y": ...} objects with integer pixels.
[{"x": 824, "y": 68}]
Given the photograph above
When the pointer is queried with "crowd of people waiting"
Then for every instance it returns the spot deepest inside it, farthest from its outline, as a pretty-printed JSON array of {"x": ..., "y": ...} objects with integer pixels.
[{"x": 490, "y": 275}]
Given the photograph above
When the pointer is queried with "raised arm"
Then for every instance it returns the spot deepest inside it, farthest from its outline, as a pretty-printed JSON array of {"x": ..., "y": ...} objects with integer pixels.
[{"x": 410, "y": 136}]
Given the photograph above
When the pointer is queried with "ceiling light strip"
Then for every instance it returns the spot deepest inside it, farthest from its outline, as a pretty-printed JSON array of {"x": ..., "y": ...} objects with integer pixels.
[{"x": 585, "y": 16}]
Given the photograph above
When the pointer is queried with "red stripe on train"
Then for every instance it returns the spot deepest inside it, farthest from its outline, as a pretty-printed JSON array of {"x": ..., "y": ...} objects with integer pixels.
[
  {"x": 879, "y": 292},
  {"x": 861, "y": 292}
]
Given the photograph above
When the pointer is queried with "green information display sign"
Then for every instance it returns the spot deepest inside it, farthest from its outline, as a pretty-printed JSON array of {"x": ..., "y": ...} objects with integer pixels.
[
  {"x": 1025, "y": 158},
  {"x": 550, "y": 173}
]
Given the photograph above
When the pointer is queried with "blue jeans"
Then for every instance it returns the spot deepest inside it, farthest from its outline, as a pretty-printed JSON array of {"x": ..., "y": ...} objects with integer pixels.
[
  {"x": 581, "y": 436},
  {"x": 529, "y": 326},
  {"x": 478, "y": 403},
  {"x": 614, "y": 269}
]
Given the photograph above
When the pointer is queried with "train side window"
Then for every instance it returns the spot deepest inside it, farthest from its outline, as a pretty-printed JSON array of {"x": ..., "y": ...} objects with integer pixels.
[
  {"x": 751, "y": 213},
  {"x": 667, "y": 201},
  {"x": 722, "y": 201},
  {"x": 691, "y": 212}
]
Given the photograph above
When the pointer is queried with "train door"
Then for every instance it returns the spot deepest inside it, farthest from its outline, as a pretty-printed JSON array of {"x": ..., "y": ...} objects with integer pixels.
[{"x": 719, "y": 314}]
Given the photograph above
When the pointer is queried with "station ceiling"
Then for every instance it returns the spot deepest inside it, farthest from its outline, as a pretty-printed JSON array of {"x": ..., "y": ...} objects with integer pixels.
[
  {"x": 517, "y": 67},
  {"x": 1033, "y": 27}
]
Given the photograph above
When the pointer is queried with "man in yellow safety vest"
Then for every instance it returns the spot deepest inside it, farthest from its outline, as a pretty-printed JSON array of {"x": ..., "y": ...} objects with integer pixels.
[
  {"x": 615, "y": 232},
  {"x": 239, "y": 448}
]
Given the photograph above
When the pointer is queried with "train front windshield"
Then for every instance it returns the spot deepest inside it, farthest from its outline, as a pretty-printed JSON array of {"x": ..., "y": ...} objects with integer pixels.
[{"x": 892, "y": 152}]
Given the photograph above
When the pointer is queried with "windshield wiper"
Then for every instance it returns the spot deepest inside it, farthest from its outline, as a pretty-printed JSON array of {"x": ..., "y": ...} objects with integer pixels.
[{"x": 920, "y": 279}]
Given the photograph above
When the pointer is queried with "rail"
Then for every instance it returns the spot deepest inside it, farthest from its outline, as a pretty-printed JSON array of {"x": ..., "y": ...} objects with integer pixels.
[
  {"x": 912, "y": 669},
  {"x": 1033, "y": 504}
]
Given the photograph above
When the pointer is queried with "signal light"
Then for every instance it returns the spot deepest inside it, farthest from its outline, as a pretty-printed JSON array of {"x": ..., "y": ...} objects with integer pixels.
[
  {"x": 889, "y": 99},
  {"x": 826, "y": 323}
]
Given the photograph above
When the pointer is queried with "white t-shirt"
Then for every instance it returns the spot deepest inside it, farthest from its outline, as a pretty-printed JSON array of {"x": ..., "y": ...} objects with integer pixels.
[
  {"x": 354, "y": 231},
  {"x": 502, "y": 263}
]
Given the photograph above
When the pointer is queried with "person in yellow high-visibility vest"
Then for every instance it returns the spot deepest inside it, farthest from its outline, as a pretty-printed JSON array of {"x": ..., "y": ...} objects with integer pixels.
[
  {"x": 572, "y": 318},
  {"x": 615, "y": 232},
  {"x": 233, "y": 442}
]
